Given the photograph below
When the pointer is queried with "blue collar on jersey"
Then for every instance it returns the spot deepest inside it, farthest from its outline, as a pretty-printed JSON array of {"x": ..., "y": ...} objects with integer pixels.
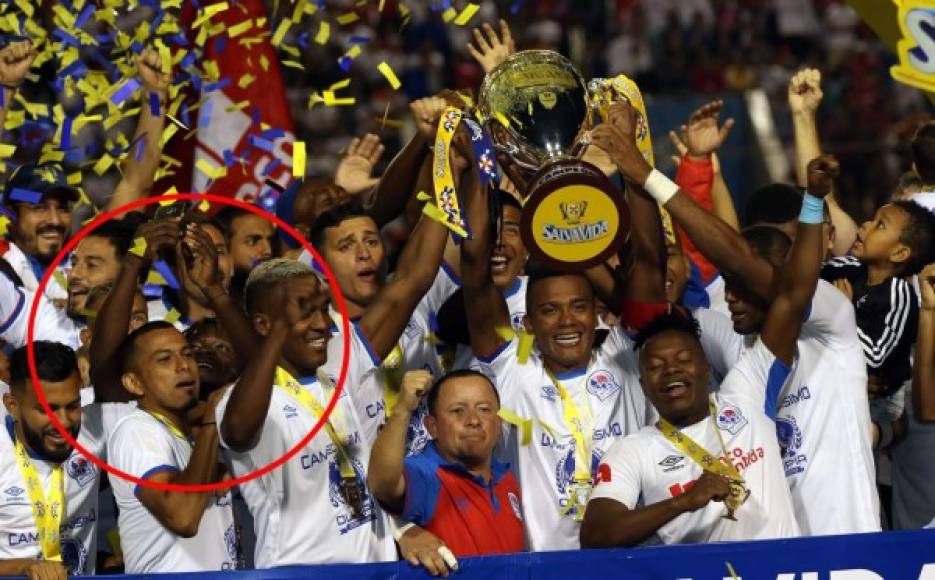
[
  {"x": 38, "y": 269},
  {"x": 306, "y": 381},
  {"x": 695, "y": 294},
  {"x": 517, "y": 284},
  {"x": 572, "y": 374},
  {"x": 10, "y": 429},
  {"x": 498, "y": 469}
]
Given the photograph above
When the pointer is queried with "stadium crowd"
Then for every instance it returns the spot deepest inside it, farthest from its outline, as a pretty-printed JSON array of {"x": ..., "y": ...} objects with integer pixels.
[{"x": 720, "y": 380}]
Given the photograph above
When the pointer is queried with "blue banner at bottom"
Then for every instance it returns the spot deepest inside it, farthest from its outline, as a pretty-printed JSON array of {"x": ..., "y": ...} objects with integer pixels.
[{"x": 881, "y": 556}]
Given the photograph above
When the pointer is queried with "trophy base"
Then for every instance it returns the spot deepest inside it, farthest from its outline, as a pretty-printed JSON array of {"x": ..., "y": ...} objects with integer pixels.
[{"x": 574, "y": 218}]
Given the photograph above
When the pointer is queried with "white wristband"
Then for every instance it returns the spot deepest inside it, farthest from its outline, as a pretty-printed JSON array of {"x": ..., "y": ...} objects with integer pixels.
[
  {"x": 399, "y": 528},
  {"x": 660, "y": 187}
]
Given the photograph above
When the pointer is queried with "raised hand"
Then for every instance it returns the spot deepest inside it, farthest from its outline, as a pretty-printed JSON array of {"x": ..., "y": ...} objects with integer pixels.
[
  {"x": 681, "y": 150},
  {"x": 149, "y": 64},
  {"x": 709, "y": 487},
  {"x": 15, "y": 61},
  {"x": 805, "y": 91},
  {"x": 416, "y": 385},
  {"x": 426, "y": 113},
  {"x": 158, "y": 236},
  {"x": 701, "y": 135},
  {"x": 355, "y": 170},
  {"x": 822, "y": 171},
  {"x": 617, "y": 137},
  {"x": 199, "y": 272},
  {"x": 491, "y": 51}
]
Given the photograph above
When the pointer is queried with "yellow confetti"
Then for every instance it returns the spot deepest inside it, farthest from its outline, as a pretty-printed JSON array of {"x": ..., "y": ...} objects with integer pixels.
[
  {"x": 245, "y": 80},
  {"x": 209, "y": 170},
  {"x": 210, "y": 11},
  {"x": 204, "y": 206},
  {"x": 7, "y": 150},
  {"x": 731, "y": 571},
  {"x": 4, "y": 225},
  {"x": 103, "y": 164},
  {"x": 293, "y": 64},
  {"x": 139, "y": 247},
  {"x": 237, "y": 106},
  {"x": 60, "y": 278},
  {"x": 238, "y": 29},
  {"x": 264, "y": 63},
  {"x": 449, "y": 15},
  {"x": 384, "y": 68},
  {"x": 347, "y": 18},
  {"x": 343, "y": 84},
  {"x": 323, "y": 33},
  {"x": 469, "y": 11},
  {"x": 173, "y": 316},
  {"x": 298, "y": 159},
  {"x": 281, "y": 31}
]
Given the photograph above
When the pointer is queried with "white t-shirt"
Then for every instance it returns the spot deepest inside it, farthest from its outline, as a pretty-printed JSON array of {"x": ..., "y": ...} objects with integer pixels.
[
  {"x": 609, "y": 387},
  {"x": 722, "y": 346},
  {"x": 142, "y": 446},
  {"x": 23, "y": 267},
  {"x": 645, "y": 468},
  {"x": 300, "y": 516},
  {"x": 52, "y": 323},
  {"x": 82, "y": 481}
]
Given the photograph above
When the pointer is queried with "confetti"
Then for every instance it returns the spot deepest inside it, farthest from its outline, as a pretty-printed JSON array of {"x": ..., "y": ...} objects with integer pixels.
[
  {"x": 281, "y": 31},
  {"x": 139, "y": 247},
  {"x": 245, "y": 80},
  {"x": 347, "y": 18},
  {"x": 389, "y": 74},
  {"x": 298, "y": 159},
  {"x": 166, "y": 272},
  {"x": 323, "y": 33},
  {"x": 449, "y": 15},
  {"x": 209, "y": 11},
  {"x": 469, "y": 11},
  {"x": 173, "y": 316},
  {"x": 123, "y": 92},
  {"x": 7, "y": 151},
  {"x": 210, "y": 170},
  {"x": 25, "y": 195},
  {"x": 238, "y": 29},
  {"x": 204, "y": 206}
]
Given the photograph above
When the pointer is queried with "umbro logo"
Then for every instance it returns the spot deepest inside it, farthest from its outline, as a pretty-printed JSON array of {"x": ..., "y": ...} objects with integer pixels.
[
  {"x": 290, "y": 411},
  {"x": 14, "y": 491},
  {"x": 672, "y": 463}
]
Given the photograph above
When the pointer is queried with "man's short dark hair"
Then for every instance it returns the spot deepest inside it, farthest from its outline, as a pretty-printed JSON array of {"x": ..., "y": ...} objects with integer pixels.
[
  {"x": 677, "y": 320},
  {"x": 923, "y": 152},
  {"x": 537, "y": 271},
  {"x": 224, "y": 219},
  {"x": 768, "y": 242},
  {"x": 776, "y": 203},
  {"x": 130, "y": 344},
  {"x": 919, "y": 235},
  {"x": 432, "y": 401},
  {"x": 120, "y": 233},
  {"x": 55, "y": 362},
  {"x": 333, "y": 218}
]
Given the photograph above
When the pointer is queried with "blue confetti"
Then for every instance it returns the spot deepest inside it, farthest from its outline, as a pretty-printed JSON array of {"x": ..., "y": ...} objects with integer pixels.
[
  {"x": 516, "y": 6},
  {"x": 85, "y": 14},
  {"x": 273, "y": 134},
  {"x": 163, "y": 268},
  {"x": 186, "y": 115},
  {"x": 124, "y": 92},
  {"x": 66, "y": 132},
  {"x": 302, "y": 41},
  {"x": 188, "y": 60},
  {"x": 264, "y": 144},
  {"x": 229, "y": 158},
  {"x": 66, "y": 38},
  {"x": 217, "y": 85},
  {"x": 360, "y": 39},
  {"x": 75, "y": 155},
  {"x": 152, "y": 291},
  {"x": 140, "y": 147},
  {"x": 219, "y": 43},
  {"x": 8, "y": 213},
  {"x": 255, "y": 115},
  {"x": 204, "y": 117},
  {"x": 136, "y": 47},
  {"x": 25, "y": 195},
  {"x": 345, "y": 63},
  {"x": 271, "y": 167}
]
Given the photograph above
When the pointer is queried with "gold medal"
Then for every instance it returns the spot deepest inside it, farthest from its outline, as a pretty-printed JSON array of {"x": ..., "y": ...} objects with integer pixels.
[{"x": 737, "y": 497}]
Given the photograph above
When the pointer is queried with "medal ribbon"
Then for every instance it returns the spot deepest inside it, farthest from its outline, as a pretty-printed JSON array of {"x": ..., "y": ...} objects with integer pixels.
[
  {"x": 284, "y": 381},
  {"x": 446, "y": 197},
  {"x": 696, "y": 452},
  {"x": 48, "y": 513},
  {"x": 483, "y": 153},
  {"x": 171, "y": 427},
  {"x": 392, "y": 377}
]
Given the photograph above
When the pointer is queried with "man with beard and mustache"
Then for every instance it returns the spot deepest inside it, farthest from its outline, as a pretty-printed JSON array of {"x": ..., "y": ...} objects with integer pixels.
[
  {"x": 160, "y": 530},
  {"x": 40, "y": 196},
  {"x": 95, "y": 263},
  {"x": 30, "y": 444},
  {"x": 251, "y": 239}
]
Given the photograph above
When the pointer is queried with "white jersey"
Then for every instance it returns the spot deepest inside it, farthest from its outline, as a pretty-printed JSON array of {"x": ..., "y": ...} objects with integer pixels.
[
  {"x": 29, "y": 273},
  {"x": 82, "y": 480},
  {"x": 607, "y": 391},
  {"x": 142, "y": 446},
  {"x": 300, "y": 516},
  {"x": 646, "y": 468},
  {"x": 722, "y": 346},
  {"x": 52, "y": 323}
]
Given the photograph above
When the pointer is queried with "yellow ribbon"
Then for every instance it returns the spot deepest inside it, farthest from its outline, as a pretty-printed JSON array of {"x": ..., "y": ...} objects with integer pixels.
[
  {"x": 392, "y": 369},
  {"x": 696, "y": 452},
  {"x": 47, "y": 513},
  {"x": 524, "y": 340},
  {"x": 285, "y": 381},
  {"x": 446, "y": 209},
  {"x": 524, "y": 425},
  {"x": 581, "y": 426},
  {"x": 172, "y": 427}
]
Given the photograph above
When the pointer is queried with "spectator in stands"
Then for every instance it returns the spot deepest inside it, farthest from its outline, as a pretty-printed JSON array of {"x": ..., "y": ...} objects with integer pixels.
[{"x": 456, "y": 469}]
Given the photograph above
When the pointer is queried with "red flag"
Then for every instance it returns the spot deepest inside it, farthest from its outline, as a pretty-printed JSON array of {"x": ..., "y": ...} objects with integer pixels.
[{"x": 230, "y": 133}]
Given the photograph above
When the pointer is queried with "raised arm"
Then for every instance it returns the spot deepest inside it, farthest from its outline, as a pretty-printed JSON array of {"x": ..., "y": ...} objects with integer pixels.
[
  {"x": 385, "y": 473},
  {"x": 354, "y": 172},
  {"x": 16, "y": 59},
  {"x": 645, "y": 278},
  {"x": 797, "y": 282},
  {"x": 384, "y": 321},
  {"x": 923, "y": 367},
  {"x": 114, "y": 314},
  {"x": 182, "y": 512},
  {"x": 804, "y": 98},
  {"x": 491, "y": 51},
  {"x": 139, "y": 171},
  {"x": 486, "y": 308}
]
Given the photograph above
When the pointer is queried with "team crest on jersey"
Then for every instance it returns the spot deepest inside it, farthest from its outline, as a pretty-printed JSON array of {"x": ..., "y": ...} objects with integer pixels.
[
  {"x": 412, "y": 329},
  {"x": 565, "y": 471},
  {"x": 80, "y": 469},
  {"x": 74, "y": 555},
  {"x": 516, "y": 320},
  {"x": 417, "y": 436},
  {"x": 290, "y": 411},
  {"x": 514, "y": 503},
  {"x": 230, "y": 541},
  {"x": 730, "y": 419},
  {"x": 602, "y": 385},
  {"x": 345, "y": 522},
  {"x": 790, "y": 441},
  {"x": 14, "y": 492},
  {"x": 549, "y": 393}
]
